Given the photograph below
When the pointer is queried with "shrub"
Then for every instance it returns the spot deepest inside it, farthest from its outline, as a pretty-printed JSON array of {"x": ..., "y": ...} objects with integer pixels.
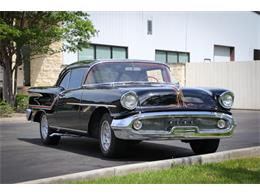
[
  {"x": 5, "y": 109},
  {"x": 21, "y": 102}
]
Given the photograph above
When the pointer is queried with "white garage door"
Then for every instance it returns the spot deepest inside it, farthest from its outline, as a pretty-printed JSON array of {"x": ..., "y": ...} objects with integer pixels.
[{"x": 221, "y": 53}]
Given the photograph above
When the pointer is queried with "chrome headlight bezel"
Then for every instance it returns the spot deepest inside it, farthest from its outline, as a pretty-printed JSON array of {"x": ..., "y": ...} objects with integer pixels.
[
  {"x": 224, "y": 98},
  {"x": 125, "y": 98}
]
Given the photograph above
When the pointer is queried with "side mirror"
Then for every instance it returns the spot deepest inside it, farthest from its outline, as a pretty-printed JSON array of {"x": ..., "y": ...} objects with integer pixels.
[
  {"x": 61, "y": 94},
  {"x": 61, "y": 88}
]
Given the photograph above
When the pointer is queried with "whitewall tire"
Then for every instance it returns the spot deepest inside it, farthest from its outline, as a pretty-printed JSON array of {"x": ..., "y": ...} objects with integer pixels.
[
  {"x": 46, "y": 131},
  {"x": 110, "y": 146}
]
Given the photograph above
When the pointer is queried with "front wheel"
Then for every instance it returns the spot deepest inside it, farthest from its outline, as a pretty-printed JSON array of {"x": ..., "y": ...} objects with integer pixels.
[
  {"x": 204, "y": 146},
  {"x": 110, "y": 145},
  {"x": 45, "y": 132}
]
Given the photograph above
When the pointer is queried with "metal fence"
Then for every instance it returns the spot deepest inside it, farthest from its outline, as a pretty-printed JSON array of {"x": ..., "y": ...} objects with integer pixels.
[{"x": 243, "y": 78}]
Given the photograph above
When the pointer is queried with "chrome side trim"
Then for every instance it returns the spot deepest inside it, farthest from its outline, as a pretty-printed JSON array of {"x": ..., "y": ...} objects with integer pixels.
[
  {"x": 43, "y": 106},
  {"x": 95, "y": 105},
  {"x": 68, "y": 129},
  {"x": 123, "y": 127}
]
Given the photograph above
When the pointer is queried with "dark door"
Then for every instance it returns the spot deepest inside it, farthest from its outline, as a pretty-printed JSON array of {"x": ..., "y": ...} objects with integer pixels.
[
  {"x": 68, "y": 103},
  {"x": 256, "y": 54}
]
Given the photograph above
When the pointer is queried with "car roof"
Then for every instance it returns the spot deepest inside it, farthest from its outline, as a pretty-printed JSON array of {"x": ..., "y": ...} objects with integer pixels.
[{"x": 88, "y": 63}]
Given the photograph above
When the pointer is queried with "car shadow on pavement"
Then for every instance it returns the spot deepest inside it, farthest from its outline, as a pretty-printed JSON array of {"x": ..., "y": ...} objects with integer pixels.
[{"x": 144, "y": 151}]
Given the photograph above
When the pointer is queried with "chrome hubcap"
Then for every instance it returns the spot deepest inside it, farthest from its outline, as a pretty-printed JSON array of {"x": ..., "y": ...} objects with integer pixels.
[
  {"x": 44, "y": 127},
  {"x": 105, "y": 135}
]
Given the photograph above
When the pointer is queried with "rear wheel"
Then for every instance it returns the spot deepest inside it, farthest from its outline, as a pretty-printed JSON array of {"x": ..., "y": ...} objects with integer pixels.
[
  {"x": 46, "y": 131},
  {"x": 204, "y": 146},
  {"x": 110, "y": 145}
]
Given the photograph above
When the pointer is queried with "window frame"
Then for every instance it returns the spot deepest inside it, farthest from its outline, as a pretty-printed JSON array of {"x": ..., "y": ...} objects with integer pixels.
[
  {"x": 171, "y": 51},
  {"x": 94, "y": 45}
]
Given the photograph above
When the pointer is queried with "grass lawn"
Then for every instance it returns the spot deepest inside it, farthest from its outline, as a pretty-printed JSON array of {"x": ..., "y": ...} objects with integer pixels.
[{"x": 232, "y": 171}]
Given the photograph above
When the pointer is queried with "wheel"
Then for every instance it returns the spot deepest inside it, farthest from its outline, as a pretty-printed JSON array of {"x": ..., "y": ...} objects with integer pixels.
[
  {"x": 110, "y": 145},
  {"x": 46, "y": 131},
  {"x": 204, "y": 146}
]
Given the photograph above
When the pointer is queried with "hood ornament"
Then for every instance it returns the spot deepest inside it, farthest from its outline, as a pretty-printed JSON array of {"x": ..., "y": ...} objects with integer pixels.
[{"x": 179, "y": 96}]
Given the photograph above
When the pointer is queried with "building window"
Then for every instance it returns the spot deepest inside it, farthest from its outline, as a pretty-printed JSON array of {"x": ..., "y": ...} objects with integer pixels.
[
  {"x": 149, "y": 27},
  {"x": 224, "y": 53},
  {"x": 119, "y": 53},
  {"x": 172, "y": 57},
  {"x": 161, "y": 56},
  {"x": 103, "y": 52},
  {"x": 256, "y": 54},
  {"x": 86, "y": 53}
]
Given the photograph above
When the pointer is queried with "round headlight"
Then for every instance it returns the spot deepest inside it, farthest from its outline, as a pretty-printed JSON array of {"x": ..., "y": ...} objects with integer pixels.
[
  {"x": 226, "y": 100},
  {"x": 129, "y": 100}
]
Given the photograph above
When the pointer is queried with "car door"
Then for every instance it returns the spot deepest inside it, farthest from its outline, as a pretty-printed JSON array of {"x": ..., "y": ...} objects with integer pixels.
[{"x": 68, "y": 103}]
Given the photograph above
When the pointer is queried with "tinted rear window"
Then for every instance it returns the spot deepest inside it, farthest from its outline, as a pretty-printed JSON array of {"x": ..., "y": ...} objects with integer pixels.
[
  {"x": 65, "y": 81},
  {"x": 76, "y": 77}
]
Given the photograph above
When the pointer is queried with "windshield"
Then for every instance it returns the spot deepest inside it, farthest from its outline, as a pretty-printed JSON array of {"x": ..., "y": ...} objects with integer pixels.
[{"x": 112, "y": 72}]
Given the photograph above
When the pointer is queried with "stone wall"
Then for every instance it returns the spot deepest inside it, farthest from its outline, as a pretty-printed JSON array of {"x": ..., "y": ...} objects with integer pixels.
[
  {"x": 45, "y": 69},
  {"x": 178, "y": 73}
]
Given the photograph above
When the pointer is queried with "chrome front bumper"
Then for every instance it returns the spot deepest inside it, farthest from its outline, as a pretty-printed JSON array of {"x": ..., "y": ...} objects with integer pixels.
[{"x": 204, "y": 128}]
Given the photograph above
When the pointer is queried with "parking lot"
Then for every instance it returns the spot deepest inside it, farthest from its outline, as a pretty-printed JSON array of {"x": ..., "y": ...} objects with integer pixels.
[{"x": 23, "y": 157}]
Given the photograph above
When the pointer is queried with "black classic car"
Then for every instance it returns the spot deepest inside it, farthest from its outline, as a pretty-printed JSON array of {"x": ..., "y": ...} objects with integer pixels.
[{"x": 122, "y": 102}]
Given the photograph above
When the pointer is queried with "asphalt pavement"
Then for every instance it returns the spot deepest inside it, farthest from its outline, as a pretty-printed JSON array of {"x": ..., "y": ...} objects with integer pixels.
[{"x": 23, "y": 157}]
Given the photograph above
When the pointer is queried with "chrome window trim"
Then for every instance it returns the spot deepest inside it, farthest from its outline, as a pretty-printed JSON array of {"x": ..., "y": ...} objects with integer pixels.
[
  {"x": 94, "y": 105},
  {"x": 44, "y": 107},
  {"x": 68, "y": 129},
  {"x": 118, "y": 61}
]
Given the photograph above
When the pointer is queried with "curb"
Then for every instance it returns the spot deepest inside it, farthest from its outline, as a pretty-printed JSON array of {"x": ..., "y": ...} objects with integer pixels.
[
  {"x": 154, "y": 165},
  {"x": 15, "y": 117}
]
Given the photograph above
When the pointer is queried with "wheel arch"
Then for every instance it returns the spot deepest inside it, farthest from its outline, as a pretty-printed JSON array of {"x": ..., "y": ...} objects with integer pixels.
[
  {"x": 94, "y": 119},
  {"x": 37, "y": 115}
]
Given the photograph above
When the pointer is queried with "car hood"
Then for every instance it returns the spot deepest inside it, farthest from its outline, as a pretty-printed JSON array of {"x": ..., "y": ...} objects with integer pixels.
[{"x": 165, "y": 97}]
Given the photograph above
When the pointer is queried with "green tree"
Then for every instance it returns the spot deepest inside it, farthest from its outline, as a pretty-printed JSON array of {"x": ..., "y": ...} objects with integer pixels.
[{"x": 36, "y": 31}]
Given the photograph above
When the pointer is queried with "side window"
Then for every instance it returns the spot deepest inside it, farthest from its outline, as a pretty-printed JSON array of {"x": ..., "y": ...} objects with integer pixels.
[
  {"x": 65, "y": 81},
  {"x": 76, "y": 77}
]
